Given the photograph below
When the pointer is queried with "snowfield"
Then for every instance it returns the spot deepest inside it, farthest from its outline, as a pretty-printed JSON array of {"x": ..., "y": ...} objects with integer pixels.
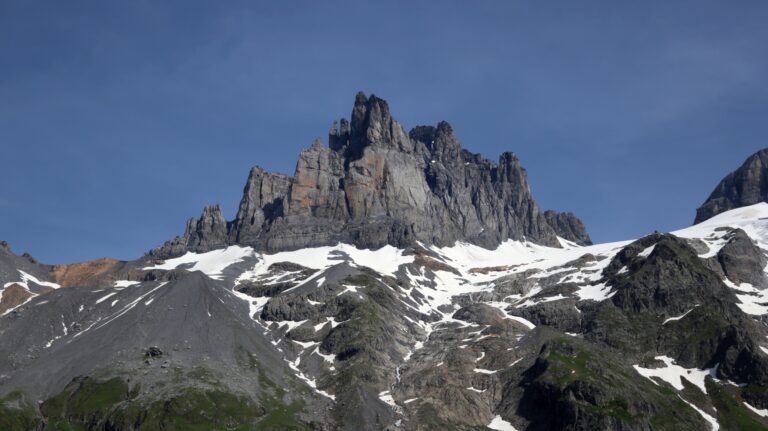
[
  {"x": 674, "y": 374},
  {"x": 211, "y": 263}
]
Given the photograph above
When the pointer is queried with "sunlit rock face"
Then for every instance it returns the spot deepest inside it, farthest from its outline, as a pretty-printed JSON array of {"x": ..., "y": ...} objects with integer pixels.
[
  {"x": 745, "y": 186},
  {"x": 377, "y": 184}
]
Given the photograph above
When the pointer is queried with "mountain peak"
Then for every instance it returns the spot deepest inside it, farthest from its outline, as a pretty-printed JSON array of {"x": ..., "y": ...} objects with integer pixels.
[
  {"x": 745, "y": 186},
  {"x": 376, "y": 184}
]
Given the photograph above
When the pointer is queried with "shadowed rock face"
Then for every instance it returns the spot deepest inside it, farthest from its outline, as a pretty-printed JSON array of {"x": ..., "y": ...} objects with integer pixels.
[
  {"x": 376, "y": 184},
  {"x": 745, "y": 186}
]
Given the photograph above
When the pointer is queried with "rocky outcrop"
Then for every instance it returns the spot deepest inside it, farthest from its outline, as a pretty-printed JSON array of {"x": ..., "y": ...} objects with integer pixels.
[
  {"x": 263, "y": 201},
  {"x": 578, "y": 386},
  {"x": 563, "y": 314},
  {"x": 376, "y": 184},
  {"x": 659, "y": 277},
  {"x": 207, "y": 233},
  {"x": 745, "y": 186},
  {"x": 742, "y": 261},
  {"x": 568, "y": 226}
]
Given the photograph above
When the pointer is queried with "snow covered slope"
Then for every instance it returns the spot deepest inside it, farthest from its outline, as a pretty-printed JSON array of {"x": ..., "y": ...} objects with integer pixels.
[
  {"x": 457, "y": 335},
  {"x": 429, "y": 286}
]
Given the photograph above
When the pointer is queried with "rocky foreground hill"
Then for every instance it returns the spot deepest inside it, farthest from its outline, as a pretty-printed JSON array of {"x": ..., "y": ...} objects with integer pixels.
[{"x": 399, "y": 282}]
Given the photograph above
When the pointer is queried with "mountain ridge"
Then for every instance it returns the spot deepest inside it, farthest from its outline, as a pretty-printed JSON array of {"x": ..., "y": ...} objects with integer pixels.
[{"x": 376, "y": 184}]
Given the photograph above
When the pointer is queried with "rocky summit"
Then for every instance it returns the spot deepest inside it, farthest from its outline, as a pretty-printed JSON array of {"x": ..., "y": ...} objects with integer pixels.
[
  {"x": 376, "y": 184},
  {"x": 747, "y": 185},
  {"x": 399, "y": 282}
]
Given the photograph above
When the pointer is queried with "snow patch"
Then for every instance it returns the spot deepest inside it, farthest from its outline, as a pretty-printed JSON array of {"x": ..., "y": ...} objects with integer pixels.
[
  {"x": 748, "y": 219},
  {"x": 385, "y": 260},
  {"x": 333, "y": 321},
  {"x": 350, "y": 289},
  {"x": 759, "y": 412},
  {"x": 290, "y": 324},
  {"x": 310, "y": 382},
  {"x": 673, "y": 374},
  {"x": 673, "y": 319},
  {"x": 387, "y": 398},
  {"x": 525, "y": 322},
  {"x": 211, "y": 263},
  {"x": 712, "y": 421},
  {"x": 597, "y": 292},
  {"x": 647, "y": 252},
  {"x": 751, "y": 300},
  {"x": 327, "y": 358},
  {"x": 105, "y": 297},
  {"x": 484, "y": 371},
  {"x": 499, "y": 424},
  {"x": 27, "y": 278}
]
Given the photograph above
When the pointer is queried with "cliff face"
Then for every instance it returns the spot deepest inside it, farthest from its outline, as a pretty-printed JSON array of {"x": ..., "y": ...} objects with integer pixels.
[
  {"x": 745, "y": 186},
  {"x": 376, "y": 184}
]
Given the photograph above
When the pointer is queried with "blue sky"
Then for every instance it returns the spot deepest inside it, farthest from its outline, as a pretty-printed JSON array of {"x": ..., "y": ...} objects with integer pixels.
[{"x": 120, "y": 120}]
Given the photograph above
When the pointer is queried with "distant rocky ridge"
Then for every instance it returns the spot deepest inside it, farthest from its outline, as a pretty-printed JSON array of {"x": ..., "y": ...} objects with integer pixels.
[
  {"x": 745, "y": 186},
  {"x": 376, "y": 184}
]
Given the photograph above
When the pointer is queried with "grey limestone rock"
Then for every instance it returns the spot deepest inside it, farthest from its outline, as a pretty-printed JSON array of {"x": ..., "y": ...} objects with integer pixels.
[
  {"x": 568, "y": 226},
  {"x": 207, "y": 232},
  {"x": 561, "y": 314},
  {"x": 376, "y": 184},
  {"x": 745, "y": 186},
  {"x": 742, "y": 261},
  {"x": 263, "y": 200}
]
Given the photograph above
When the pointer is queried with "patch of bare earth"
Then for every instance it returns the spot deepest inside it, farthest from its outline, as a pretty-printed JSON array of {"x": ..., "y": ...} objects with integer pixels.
[
  {"x": 83, "y": 273},
  {"x": 13, "y": 296},
  {"x": 433, "y": 264},
  {"x": 489, "y": 269}
]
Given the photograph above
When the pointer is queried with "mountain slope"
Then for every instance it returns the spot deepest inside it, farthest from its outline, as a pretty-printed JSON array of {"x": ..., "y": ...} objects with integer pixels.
[
  {"x": 21, "y": 278},
  {"x": 423, "y": 337}
]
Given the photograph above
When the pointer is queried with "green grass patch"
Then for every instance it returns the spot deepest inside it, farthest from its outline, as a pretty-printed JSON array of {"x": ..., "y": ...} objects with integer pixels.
[
  {"x": 16, "y": 413},
  {"x": 89, "y": 405},
  {"x": 566, "y": 368},
  {"x": 731, "y": 412},
  {"x": 281, "y": 416}
]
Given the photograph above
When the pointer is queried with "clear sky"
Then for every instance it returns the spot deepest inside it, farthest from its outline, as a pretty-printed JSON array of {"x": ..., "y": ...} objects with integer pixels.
[{"x": 120, "y": 120}]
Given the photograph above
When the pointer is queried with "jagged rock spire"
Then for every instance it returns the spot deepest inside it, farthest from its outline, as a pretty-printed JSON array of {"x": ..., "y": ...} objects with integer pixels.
[
  {"x": 209, "y": 231},
  {"x": 376, "y": 184}
]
